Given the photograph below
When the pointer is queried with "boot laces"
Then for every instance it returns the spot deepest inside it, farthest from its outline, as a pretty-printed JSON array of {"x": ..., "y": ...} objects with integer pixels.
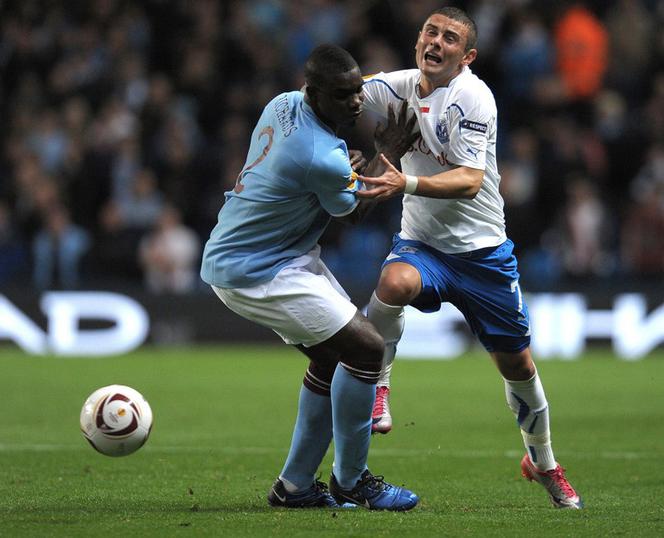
[
  {"x": 376, "y": 483},
  {"x": 558, "y": 476},
  {"x": 381, "y": 395}
]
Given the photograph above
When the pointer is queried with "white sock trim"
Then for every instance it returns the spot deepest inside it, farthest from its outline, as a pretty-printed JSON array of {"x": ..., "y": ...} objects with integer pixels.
[{"x": 384, "y": 308}]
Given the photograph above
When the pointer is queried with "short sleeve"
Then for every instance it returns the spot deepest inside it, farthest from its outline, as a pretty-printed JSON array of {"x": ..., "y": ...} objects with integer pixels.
[
  {"x": 470, "y": 127},
  {"x": 380, "y": 90},
  {"x": 333, "y": 181}
]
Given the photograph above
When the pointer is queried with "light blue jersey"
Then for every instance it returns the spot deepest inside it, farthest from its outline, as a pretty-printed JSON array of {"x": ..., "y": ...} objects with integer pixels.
[{"x": 297, "y": 174}]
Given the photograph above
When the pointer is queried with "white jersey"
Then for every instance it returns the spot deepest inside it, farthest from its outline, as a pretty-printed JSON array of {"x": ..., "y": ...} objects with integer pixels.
[{"x": 458, "y": 124}]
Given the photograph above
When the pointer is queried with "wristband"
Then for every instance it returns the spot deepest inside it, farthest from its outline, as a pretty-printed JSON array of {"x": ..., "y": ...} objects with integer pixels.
[{"x": 411, "y": 184}]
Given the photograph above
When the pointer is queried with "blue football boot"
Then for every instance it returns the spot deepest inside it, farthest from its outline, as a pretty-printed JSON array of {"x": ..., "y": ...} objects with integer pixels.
[
  {"x": 374, "y": 493},
  {"x": 316, "y": 496}
]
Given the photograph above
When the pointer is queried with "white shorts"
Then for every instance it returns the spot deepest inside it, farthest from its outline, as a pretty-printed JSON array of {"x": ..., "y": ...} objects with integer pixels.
[{"x": 303, "y": 304}]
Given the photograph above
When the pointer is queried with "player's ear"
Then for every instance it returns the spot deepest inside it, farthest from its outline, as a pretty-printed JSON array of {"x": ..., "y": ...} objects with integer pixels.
[{"x": 469, "y": 57}]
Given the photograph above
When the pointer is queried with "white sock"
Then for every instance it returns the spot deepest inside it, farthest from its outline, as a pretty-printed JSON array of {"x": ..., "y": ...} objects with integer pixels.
[
  {"x": 528, "y": 402},
  {"x": 389, "y": 320}
]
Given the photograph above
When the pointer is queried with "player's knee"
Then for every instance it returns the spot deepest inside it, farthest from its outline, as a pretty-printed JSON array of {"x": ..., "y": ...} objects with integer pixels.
[
  {"x": 375, "y": 346},
  {"x": 520, "y": 372},
  {"x": 398, "y": 285},
  {"x": 517, "y": 370},
  {"x": 515, "y": 366},
  {"x": 367, "y": 355}
]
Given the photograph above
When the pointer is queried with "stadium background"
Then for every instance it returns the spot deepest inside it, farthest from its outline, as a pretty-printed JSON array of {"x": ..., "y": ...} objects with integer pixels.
[
  {"x": 124, "y": 122},
  {"x": 113, "y": 111}
]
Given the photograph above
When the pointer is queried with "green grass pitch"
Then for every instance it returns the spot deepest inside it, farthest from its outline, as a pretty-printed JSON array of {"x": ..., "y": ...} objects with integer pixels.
[{"x": 223, "y": 420}]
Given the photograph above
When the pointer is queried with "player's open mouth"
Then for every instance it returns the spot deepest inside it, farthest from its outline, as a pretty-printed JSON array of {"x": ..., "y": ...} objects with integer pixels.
[{"x": 429, "y": 57}]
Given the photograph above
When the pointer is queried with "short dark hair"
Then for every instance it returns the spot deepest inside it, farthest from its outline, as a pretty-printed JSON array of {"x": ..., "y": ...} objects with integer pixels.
[
  {"x": 324, "y": 61},
  {"x": 461, "y": 16}
]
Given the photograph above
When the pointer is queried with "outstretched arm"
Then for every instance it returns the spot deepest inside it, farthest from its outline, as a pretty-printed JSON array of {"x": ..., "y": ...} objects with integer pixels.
[{"x": 460, "y": 182}]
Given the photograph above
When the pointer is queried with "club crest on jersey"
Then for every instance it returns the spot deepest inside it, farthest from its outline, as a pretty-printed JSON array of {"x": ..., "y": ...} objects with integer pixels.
[{"x": 442, "y": 133}]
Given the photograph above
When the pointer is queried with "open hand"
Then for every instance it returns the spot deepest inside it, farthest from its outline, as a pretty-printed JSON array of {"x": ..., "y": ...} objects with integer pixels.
[
  {"x": 395, "y": 138},
  {"x": 390, "y": 183}
]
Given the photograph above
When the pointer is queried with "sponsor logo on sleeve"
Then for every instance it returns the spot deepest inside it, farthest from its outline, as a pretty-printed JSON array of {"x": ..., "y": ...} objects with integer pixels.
[{"x": 474, "y": 126}]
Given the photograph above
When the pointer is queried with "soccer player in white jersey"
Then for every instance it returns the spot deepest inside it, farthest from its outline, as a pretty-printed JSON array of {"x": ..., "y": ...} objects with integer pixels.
[
  {"x": 452, "y": 246},
  {"x": 262, "y": 260}
]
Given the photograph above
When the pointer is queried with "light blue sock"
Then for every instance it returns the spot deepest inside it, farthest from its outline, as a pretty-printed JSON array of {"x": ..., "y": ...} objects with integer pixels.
[
  {"x": 311, "y": 439},
  {"x": 352, "y": 402}
]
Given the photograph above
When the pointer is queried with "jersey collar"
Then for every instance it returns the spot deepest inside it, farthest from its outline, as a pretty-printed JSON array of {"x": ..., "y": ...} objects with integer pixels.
[{"x": 464, "y": 71}]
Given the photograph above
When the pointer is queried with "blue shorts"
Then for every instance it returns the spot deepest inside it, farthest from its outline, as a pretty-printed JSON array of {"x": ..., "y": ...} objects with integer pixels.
[{"x": 482, "y": 284}]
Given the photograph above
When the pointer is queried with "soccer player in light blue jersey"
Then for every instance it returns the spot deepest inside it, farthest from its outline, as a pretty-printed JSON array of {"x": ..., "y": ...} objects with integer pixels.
[
  {"x": 263, "y": 261},
  {"x": 452, "y": 246}
]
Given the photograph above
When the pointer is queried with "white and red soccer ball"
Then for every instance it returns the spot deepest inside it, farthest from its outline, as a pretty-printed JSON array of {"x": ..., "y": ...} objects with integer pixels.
[{"x": 116, "y": 420}]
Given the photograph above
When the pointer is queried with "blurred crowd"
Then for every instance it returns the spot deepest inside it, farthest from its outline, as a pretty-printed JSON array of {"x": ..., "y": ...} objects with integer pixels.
[{"x": 123, "y": 122}]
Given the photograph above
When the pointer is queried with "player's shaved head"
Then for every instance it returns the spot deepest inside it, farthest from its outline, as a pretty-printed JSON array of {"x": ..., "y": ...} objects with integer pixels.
[
  {"x": 461, "y": 16},
  {"x": 326, "y": 61}
]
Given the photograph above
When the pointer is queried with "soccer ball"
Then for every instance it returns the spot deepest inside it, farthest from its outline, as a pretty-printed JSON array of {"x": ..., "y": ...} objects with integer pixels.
[{"x": 116, "y": 420}]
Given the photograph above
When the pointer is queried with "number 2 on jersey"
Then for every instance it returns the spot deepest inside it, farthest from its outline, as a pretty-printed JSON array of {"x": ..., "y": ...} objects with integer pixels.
[{"x": 269, "y": 131}]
